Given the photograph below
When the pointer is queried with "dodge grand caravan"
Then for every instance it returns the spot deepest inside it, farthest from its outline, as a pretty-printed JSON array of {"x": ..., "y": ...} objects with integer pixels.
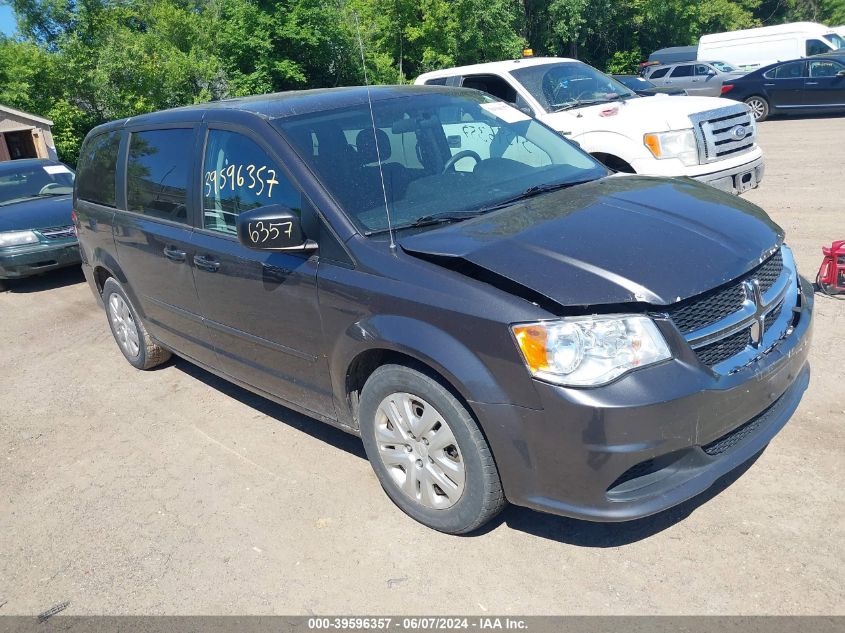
[{"x": 508, "y": 323}]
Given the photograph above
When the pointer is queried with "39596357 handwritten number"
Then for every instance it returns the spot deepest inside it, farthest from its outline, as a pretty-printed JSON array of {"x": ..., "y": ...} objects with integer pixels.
[{"x": 259, "y": 179}]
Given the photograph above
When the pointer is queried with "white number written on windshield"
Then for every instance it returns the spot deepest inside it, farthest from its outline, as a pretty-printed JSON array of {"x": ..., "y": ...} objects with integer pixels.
[{"x": 259, "y": 179}]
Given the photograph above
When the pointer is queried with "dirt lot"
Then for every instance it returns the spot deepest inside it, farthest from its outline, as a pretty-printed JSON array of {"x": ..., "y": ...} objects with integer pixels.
[{"x": 172, "y": 492}]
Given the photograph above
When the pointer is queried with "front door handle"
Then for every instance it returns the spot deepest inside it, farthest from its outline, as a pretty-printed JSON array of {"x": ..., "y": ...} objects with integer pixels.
[
  {"x": 174, "y": 254},
  {"x": 206, "y": 264},
  {"x": 811, "y": 83}
]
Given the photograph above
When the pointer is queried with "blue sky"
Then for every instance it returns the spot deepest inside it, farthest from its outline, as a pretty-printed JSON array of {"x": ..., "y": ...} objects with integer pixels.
[{"x": 7, "y": 20}]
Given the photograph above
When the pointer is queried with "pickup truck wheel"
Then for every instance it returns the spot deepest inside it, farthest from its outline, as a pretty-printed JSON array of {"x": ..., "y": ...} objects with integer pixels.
[
  {"x": 128, "y": 330},
  {"x": 427, "y": 451},
  {"x": 759, "y": 107}
]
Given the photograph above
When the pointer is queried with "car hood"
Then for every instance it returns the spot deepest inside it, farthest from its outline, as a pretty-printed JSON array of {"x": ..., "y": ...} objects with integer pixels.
[
  {"x": 617, "y": 240},
  {"x": 657, "y": 113},
  {"x": 39, "y": 213}
]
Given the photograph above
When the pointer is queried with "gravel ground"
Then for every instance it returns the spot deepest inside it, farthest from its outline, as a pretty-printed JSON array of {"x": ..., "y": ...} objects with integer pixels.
[{"x": 173, "y": 492}]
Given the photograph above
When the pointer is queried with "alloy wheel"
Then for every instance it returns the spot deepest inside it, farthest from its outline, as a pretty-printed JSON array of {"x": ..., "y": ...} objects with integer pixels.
[{"x": 758, "y": 108}]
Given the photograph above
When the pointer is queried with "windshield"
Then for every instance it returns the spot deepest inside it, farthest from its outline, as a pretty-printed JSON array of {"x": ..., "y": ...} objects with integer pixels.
[
  {"x": 723, "y": 67},
  {"x": 565, "y": 85},
  {"x": 836, "y": 40},
  {"x": 34, "y": 181},
  {"x": 442, "y": 153}
]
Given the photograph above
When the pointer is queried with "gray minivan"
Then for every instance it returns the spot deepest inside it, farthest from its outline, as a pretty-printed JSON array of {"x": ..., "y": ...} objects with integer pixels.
[{"x": 494, "y": 313}]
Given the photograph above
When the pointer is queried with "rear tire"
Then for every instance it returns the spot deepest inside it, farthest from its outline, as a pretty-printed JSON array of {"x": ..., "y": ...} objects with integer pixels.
[
  {"x": 759, "y": 107},
  {"x": 427, "y": 451},
  {"x": 129, "y": 332}
]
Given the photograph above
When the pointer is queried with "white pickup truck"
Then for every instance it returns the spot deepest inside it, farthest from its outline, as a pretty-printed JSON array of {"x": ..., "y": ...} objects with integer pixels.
[{"x": 705, "y": 138}]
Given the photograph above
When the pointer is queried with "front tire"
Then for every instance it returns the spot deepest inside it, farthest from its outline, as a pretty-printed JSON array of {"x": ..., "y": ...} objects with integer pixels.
[
  {"x": 427, "y": 451},
  {"x": 129, "y": 332},
  {"x": 759, "y": 107}
]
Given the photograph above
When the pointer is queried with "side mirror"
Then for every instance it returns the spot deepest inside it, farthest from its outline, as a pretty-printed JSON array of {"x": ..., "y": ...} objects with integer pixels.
[
  {"x": 841, "y": 73},
  {"x": 711, "y": 73},
  {"x": 274, "y": 227}
]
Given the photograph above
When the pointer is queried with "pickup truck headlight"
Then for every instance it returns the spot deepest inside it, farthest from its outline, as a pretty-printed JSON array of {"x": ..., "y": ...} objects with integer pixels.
[
  {"x": 17, "y": 238},
  {"x": 589, "y": 351},
  {"x": 680, "y": 145}
]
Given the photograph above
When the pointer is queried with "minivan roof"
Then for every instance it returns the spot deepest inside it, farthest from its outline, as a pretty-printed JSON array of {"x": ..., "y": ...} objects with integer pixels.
[{"x": 280, "y": 104}]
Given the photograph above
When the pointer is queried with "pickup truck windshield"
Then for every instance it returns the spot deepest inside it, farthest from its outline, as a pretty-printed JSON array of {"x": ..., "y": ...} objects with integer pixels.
[
  {"x": 445, "y": 155},
  {"x": 26, "y": 183},
  {"x": 565, "y": 85}
]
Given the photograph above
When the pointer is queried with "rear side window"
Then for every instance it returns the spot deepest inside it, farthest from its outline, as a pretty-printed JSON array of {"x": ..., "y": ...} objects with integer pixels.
[
  {"x": 682, "y": 71},
  {"x": 238, "y": 175},
  {"x": 96, "y": 169},
  {"x": 657, "y": 74},
  {"x": 157, "y": 173},
  {"x": 792, "y": 70}
]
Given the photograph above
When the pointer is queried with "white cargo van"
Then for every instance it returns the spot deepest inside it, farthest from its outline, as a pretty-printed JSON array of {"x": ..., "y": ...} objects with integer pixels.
[
  {"x": 753, "y": 48},
  {"x": 709, "y": 139}
]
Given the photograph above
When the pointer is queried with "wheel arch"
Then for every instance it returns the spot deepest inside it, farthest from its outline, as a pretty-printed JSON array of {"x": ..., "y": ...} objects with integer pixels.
[{"x": 387, "y": 339}]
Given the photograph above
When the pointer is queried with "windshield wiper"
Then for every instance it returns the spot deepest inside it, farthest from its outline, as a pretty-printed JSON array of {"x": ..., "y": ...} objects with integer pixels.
[
  {"x": 585, "y": 102},
  {"x": 442, "y": 218},
  {"x": 533, "y": 191},
  {"x": 448, "y": 217}
]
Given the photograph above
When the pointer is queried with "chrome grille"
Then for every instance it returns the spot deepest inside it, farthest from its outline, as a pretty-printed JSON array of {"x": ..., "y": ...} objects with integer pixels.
[
  {"x": 724, "y": 132},
  {"x": 730, "y": 327},
  {"x": 58, "y": 232}
]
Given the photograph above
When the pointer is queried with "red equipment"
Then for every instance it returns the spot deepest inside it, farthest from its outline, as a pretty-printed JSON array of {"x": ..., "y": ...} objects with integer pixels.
[{"x": 831, "y": 277}]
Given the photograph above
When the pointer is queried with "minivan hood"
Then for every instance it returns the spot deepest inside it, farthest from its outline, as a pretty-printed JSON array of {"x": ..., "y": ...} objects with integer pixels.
[
  {"x": 616, "y": 240},
  {"x": 39, "y": 213}
]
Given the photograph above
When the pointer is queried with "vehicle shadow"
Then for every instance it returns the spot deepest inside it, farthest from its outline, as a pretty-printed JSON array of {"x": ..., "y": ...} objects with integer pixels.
[
  {"x": 315, "y": 428},
  {"x": 601, "y": 535},
  {"x": 561, "y": 529},
  {"x": 46, "y": 281}
]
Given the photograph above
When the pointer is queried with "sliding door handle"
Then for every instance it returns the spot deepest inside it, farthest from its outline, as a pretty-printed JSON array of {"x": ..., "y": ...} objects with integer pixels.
[
  {"x": 206, "y": 263},
  {"x": 174, "y": 254}
]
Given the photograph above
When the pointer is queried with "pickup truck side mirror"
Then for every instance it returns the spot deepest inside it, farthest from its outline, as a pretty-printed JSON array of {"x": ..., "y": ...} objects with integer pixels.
[{"x": 274, "y": 227}]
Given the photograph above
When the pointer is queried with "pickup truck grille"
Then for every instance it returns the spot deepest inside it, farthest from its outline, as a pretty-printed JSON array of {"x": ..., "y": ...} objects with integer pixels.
[
  {"x": 736, "y": 322},
  {"x": 58, "y": 232},
  {"x": 724, "y": 132}
]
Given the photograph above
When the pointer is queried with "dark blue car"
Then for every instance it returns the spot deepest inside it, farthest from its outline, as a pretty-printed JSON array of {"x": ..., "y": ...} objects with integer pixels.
[
  {"x": 815, "y": 84},
  {"x": 36, "y": 232}
]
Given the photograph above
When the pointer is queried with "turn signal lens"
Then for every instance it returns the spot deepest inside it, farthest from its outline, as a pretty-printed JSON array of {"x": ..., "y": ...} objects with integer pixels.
[
  {"x": 653, "y": 143},
  {"x": 532, "y": 341}
]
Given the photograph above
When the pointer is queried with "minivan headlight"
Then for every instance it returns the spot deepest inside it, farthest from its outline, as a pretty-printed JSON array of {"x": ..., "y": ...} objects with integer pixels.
[
  {"x": 680, "y": 145},
  {"x": 17, "y": 238},
  {"x": 589, "y": 351}
]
